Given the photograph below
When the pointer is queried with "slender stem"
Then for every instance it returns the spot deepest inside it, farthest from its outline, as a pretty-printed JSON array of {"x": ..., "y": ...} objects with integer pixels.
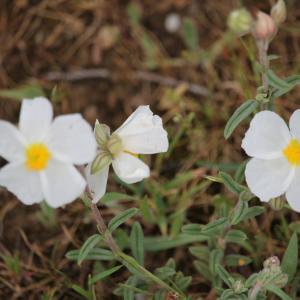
[
  {"x": 255, "y": 290},
  {"x": 121, "y": 256},
  {"x": 125, "y": 259},
  {"x": 263, "y": 46}
]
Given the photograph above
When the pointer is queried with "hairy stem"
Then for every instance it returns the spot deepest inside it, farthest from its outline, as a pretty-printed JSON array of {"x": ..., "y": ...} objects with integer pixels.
[
  {"x": 125, "y": 259},
  {"x": 255, "y": 290},
  {"x": 263, "y": 46}
]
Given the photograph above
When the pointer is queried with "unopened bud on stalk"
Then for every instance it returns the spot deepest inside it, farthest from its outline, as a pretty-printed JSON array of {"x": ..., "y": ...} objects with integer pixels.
[
  {"x": 265, "y": 27},
  {"x": 277, "y": 203},
  {"x": 278, "y": 12},
  {"x": 271, "y": 262},
  {"x": 240, "y": 21}
]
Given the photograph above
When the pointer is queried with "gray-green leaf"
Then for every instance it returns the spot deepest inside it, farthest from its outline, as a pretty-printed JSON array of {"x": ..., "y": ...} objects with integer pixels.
[
  {"x": 290, "y": 258},
  {"x": 137, "y": 242},
  {"x": 121, "y": 218},
  {"x": 239, "y": 115},
  {"x": 88, "y": 245}
]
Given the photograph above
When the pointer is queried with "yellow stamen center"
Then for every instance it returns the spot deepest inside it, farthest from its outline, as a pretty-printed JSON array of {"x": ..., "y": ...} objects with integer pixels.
[
  {"x": 292, "y": 152},
  {"x": 37, "y": 157},
  {"x": 241, "y": 262}
]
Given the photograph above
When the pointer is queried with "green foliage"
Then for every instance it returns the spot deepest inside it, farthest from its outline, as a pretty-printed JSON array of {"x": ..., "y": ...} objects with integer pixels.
[
  {"x": 88, "y": 245},
  {"x": 240, "y": 114},
  {"x": 121, "y": 218},
  {"x": 290, "y": 258},
  {"x": 137, "y": 242},
  {"x": 190, "y": 34},
  {"x": 27, "y": 91}
]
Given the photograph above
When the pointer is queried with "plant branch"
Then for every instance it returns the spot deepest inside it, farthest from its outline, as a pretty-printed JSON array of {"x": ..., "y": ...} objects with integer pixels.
[
  {"x": 125, "y": 259},
  {"x": 263, "y": 46}
]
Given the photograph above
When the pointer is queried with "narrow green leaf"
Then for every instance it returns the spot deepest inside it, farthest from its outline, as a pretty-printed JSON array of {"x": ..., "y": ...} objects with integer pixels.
[
  {"x": 277, "y": 82},
  {"x": 224, "y": 275},
  {"x": 277, "y": 291},
  {"x": 88, "y": 245},
  {"x": 290, "y": 259},
  {"x": 215, "y": 225},
  {"x": 137, "y": 242},
  {"x": 104, "y": 274},
  {"x": 112, "y": 197},
  {"x": 190, "y": 34},
  {"x": 240, "y": 114},
  {"x": 238, "y": 212},
  {"x": 94, "y": 254},
  {"x": 81, "y": 291},
  {"x": 27, "y": 91},
  {"x": 128, "y": 293},
  {"x": 121, "y": 218},
  {"x": 252, "y": 212},
  {"x": 192, "y": 229},
  {"x": 215, "y": 258},
  {"x": 230, "y": 183},
  {"x": 203, "y": 269},
  {"x": 235, "y": 236}
]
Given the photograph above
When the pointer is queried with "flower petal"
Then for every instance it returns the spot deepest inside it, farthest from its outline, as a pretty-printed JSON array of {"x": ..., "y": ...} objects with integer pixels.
[
  {"x": 143, "y": 132},
  {"x": 35, "y": 118},
  {"x": 61, "y": 183},
  {"x": 267, "y": 136},
  {"x": 71, "y": 139},
  {"x": 97, "y": 182},
  {"x": 11, "y": 142},
  {"x": 295, "y": 124},
  {"x": 129, "y": 168},
  {"x": 269, "y": 178},
  {"x": 26, "y": 185},
  {"x": 293, "y": 192}
]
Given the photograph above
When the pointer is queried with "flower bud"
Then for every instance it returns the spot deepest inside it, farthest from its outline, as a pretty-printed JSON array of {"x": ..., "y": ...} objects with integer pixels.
[
  {"x": 172, "y": 22},
  {"x": 239, "y": 287},
  {"x": 102, "y": 160},
  {"x": 277, "y": 203},
  {"x": 114, "y": 145},
  {"x": 271, "y": 262},
  {"x": 278, "y": 12},
  {"x": 265, "y": 27},
  {"x": 240, "y": 21},
  {"x": 102, "y": 133}
]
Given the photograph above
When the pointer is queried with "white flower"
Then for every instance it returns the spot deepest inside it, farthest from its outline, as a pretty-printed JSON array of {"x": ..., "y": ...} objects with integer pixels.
[
  {"x": 41, "y": 154},
  {"x": 274, "y": 169},
  {"x": 141, "y": 133}
]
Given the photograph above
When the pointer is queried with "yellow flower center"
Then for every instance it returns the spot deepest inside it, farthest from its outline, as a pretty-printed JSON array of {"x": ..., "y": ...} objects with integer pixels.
[
  {"x": 292, "y": 152},
  {"x": 37, "y": 157}
]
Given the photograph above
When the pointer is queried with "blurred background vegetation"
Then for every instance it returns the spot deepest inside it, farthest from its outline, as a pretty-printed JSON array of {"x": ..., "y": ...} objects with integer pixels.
[{"x": 103, "y": 59}]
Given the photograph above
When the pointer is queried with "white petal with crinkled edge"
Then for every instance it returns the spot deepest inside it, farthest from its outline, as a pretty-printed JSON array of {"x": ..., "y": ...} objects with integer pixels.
[
  {"x": 269, "y": 178},
  {"x": 295, "y": 124},
  {"x": 293, "y": 192},
  {"x": 71, "y": 139},
  {"x": 61, "y": 183},
  {"x": 35, "y": 118},
  {"x": 267, "y": 136},
  {"x": 97, "y": 182},
  {"x": 155, "y": 140},
  {"x": 129, "y": 168},
  {"x": 141, "y": 120},
  {"x": 12, "y": 143},
  {"x": 24, "y": 184}
]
